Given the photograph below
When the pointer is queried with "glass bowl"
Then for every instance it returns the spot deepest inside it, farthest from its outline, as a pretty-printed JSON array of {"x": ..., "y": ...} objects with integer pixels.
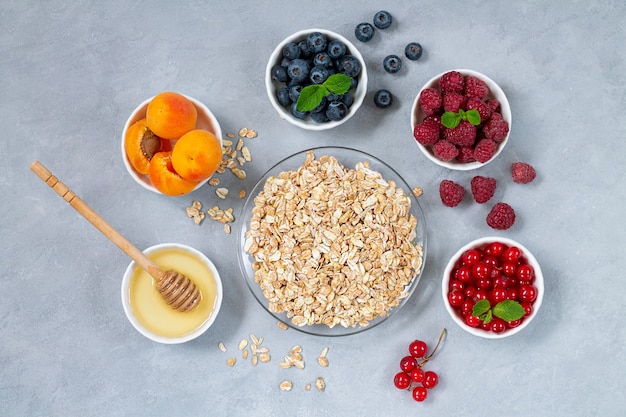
[{"x": 348, "y": 158}]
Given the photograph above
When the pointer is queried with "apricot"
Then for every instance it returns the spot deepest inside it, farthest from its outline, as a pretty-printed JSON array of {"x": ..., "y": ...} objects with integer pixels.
[
  {"x": 141, "y": 144},
  {"x": 197, "y": 155},
  {"x": 165, "y": 178},
  {"x": 170, "y": 115}
]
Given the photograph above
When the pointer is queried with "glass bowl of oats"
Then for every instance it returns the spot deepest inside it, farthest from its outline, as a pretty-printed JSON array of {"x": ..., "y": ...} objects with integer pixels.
[{"x": 332, "y": 241}]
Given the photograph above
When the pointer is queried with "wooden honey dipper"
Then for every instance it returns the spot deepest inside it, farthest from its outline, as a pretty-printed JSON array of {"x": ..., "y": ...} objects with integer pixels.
[{"x": 178, "y": 291}]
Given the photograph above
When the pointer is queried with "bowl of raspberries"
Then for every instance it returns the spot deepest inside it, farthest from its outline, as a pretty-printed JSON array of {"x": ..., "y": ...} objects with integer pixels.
[
  {"x": 493, "y": 287},
  {"x": 461, "y": 119},
  {"x": 316, "y": 79}
]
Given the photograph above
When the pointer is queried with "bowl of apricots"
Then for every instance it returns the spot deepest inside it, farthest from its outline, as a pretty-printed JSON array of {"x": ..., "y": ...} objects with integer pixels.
[{"x": 172, "y": 144}]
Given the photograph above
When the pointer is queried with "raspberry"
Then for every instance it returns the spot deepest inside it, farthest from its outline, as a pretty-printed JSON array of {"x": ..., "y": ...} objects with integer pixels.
[
  {"x": 453, "y": 102},
  {"x": 496, "y": 128},
  {"x": 445, "y": 150},
  {"x": 466, "y": 154},
  {"x": 493, "y": 104},
  {"x": 485, "y": 150},
  {"x": 427, "y": 132},
  {"x": 501, "y": 216},
  {"x": 522, "y": 172},
  {"x": 475, "y": 87},
  {"x": 463, "y": 135},
  {"x": 452, "y": 81},
  {"x": 483, "y": 109},
  {"x": 451, "y": 193},
  {"x": 483, "y": 188},
  {"x": 430, "y": 101}
]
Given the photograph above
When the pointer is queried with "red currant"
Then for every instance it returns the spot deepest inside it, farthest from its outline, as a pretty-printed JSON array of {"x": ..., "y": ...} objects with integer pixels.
[
  {"x": 417, "y": 375},
  {"x": 495, "y": 249},
  {"x": 408, "y": 363},
  {"x": 419, "y": 394},
  {"x": 525, "y": 274},
  {"x": 430, "y": 379},
  {"x": 471, "y": 256},
  {"x": 484, "y": 283},
  {"x": 497, "y": 295},
  {"x": 464, "y": 274},
  {"x": 527, "y": 293},
  {"x": 512, "y": 254},
  {"x": 467, "y": 307},
  {"x": 480, "y": 295},
  {"x": 509, "y": 269},
  {"x": 513, "y": 323},
  {"x": 490, "y": 260},
  {"x": 528, "y": 308},
  {"x": 472, "y": 321},
  {"x": 418, "y": 349},
  {"x": 497, "y": 325},
  {"x": 469, "y": 292},
  {"x": 512, "y": 294},
  {"x": 481, "y": 270},
  {"x": 402, "y": 380},
  {"x": 456, "y": 284},
  {"x": 456, "y": 298}
]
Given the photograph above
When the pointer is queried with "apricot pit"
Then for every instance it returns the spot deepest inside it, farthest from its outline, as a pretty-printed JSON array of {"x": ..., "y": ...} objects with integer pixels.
[{"x": 141, "y": 144}]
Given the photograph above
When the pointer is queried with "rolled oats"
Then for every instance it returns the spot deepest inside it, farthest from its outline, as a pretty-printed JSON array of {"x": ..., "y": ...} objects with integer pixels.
[
  {"x": 320, "y": 384},
  {"x": 286, "y": 386},
  {"x": 222, "y": 192},
  {"x": 221, "y": 347}
]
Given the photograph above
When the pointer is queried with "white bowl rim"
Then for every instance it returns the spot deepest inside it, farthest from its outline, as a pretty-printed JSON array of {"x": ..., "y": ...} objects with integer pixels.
[
  {"x": 134, "y": 117},
  {"x": 192, "y": 335},
  {"x": 505, "y": 108},
  {"x": 359, "y": 95},
  {"x": 539, "y": 284}
]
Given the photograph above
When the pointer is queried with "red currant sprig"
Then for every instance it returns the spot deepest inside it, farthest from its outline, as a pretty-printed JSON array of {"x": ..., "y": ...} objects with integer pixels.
[{"x": 412, "y": 377}]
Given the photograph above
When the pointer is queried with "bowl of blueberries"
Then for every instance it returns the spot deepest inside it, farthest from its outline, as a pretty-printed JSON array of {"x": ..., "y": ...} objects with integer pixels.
[{"x": 316, "y": 79}]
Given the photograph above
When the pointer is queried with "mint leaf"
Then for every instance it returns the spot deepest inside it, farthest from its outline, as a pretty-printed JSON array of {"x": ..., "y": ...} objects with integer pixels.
[
  {"x": 481, "y": 308},
  {"x": 337, "y": 83},
  {"x": 473, "y": 117},
  {"x": 509, "y": 310},
  {"x": 311, "y": 96},
  {"x": 450, "y": 119},
  {"x": 487, "y": 317}
]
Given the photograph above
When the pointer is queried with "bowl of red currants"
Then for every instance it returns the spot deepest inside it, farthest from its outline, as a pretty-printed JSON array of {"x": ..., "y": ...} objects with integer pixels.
[
  {"x": 493, "y": 287},
  {"x": 461, "y": 119}
]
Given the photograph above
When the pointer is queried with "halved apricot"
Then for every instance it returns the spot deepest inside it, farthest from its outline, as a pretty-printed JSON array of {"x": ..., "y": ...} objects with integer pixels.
[
  {"x": 197, "y": 155},
  {"x": 165, "y": 178},
  {"x": 141, "y": 144},
  {"x": 170, "y": 115}
]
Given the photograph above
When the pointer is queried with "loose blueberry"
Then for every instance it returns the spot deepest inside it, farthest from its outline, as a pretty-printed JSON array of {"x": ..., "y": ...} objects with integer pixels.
[
  {"x": 392, "y": 64},
  {"x": 279, "y": 73},
  {"x": 322, "y": 59},
  {"x": 349, "y": 65},
  {"x": 383, "y": 98},
  {"x": 336, "y": 110},
  {"x": 294, "y": 92},
  {"x": 336, "y": 49},
  {"x": 283, "y": 96},
  {"x": 298, "y": 70},
  {"x": 297, "y": 113},
  {"x": 382, "y": 19},
  {"x": 413, "y": 51},
  {"x": 291, "y": 51},
  {"x": 364, "y": 32},
  {"x": 318, "y": 74},
  {"x": 316, "y": 42}
]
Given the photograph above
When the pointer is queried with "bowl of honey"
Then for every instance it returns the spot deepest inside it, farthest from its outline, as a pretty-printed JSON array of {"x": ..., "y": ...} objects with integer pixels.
[{"x": 151, "y": 316}]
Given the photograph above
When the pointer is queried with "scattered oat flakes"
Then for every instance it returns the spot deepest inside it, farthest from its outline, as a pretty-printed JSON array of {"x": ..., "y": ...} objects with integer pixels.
[
  {"x": 243, "y": 132},
  {"x": 282, "y": 325},
  {"x": 222, "y": 192},
  {"x": 286, "y": 385},
  {"x": 242, "y": 194},
  {"x": 320, "y": 384},
  {"x": 245, "y": 354},
  {"x": 221, "y": 347},
  {"x": 227, "y": 228},
  {"x": 264, "y": 357},
  {"x": 231, "y": 361},
  {"x": 322, "y": 359},
  {"x": 239, "y": 173},
  {"x": 307, "y": 387},
  {"x": 245, "y": 152},
  {"x": 243, "y": 344},
  {"x": 251, "y": 134},
  {"x": 214, "y": 181},
  {"x": 195, "y": 212},
  {"x": 230, "y": 135},
  {"x": 417, "y": 191},
  {"x": 239, "y": 145}
]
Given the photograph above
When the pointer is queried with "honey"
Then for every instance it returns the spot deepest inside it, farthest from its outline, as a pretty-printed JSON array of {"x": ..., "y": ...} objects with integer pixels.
[{"x": 150, "y": 309}]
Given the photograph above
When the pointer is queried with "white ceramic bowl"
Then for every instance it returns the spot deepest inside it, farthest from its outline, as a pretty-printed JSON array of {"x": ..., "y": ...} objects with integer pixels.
[
  {"x": 272, "y": 86},
  {"x": 538, "y": 283},
  {"x": 128, "y": 308},
  {"x": 206, "y": 120},
  {"x": 495, "y": 92}
]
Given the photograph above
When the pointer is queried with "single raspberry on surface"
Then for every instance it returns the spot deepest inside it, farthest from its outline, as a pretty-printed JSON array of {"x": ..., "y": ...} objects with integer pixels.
[
  {"x": 483, "y": 109},
  {"x": 485, "y": 150},
  {"x": 445, "y": 150},
  {"x": 451, "y": 193},
  {"x": 501, "y": 216},
  {"x": 463, "y": 135},
  {"x": 475, "y": 87},
  {"x": 427, "y": 132},
  {"x": 430, "y": 101},
  {"x": 522, "y": 172},
  {"x": 496, "y": 128},
  {"x": 466, "y": 154},
  {"x": 483, "y": 188},
  {"x": 453, "y": 102},
  {"x": 452, "y": 81}
]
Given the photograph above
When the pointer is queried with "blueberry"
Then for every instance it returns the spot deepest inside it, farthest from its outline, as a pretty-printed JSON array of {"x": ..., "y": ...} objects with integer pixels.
[
  {"x": 364, "y": 32},
  {"x": 322, "y": 59},
  {"x": 413, "y": 51},
  {"x": 316, "y": 42},
  {"x": 279, "y": 73},
  {"x": 320, "y": 107},
  {"x": 349, "y": 65},
  {"x": 392, "y": 64},
  {"x": 291, "y": 51},
  {"x": 319, "y": 117},
  {"x": 347, "y": 99},
  {"x": 297, "y": 113},
  {"x": 336, "y": 49},
  {"x": 298, "y": 70},
  {"x": 383, "y": 99},
  {"x": 336, "y": 110},
  {"x": 294, "y": 92},
  {"x": 382, "y": 19},
  {"x": 283, "y": 96},
  {"x": 304, "y": 49},
  {"x": 333, "y": 97},
  {"x": 318, "y": 74}
]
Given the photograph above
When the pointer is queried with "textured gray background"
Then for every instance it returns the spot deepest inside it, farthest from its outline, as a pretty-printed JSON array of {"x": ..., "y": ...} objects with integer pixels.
[{"x": 73, "y": 71}]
